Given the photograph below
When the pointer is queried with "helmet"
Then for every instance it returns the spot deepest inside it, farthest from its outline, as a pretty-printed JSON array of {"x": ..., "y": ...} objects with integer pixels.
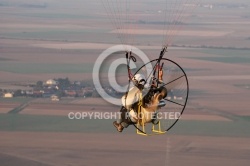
[{"x": 139, "y": 79}]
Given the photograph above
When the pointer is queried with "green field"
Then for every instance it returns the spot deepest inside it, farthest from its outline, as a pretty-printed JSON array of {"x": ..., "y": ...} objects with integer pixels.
[
  {"x": 243, "y": 86},
  {"x": 36, "y": 68},
  {"x": 225, "y": 59},
  {"x": 39, "y": 123},
  {"x": 33, "y": 68},
  {"x": 16, "y": 99},
  {"x": 225, "y": 55},
  {"x": 62, "y": 34}
]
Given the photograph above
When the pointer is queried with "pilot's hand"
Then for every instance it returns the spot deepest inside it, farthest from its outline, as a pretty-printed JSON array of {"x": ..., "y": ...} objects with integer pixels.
[{"x": 161, "y": 75}]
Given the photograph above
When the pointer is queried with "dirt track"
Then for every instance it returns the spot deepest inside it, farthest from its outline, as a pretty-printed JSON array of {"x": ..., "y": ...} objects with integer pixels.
[{"x": 109, "y": 149}]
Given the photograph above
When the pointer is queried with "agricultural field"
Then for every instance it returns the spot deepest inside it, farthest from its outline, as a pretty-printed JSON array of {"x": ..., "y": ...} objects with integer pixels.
[{"x": 50, "y": 39}]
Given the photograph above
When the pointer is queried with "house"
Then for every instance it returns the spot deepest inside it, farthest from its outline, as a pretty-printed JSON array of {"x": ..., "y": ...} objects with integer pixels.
[
  {"x": 55, "y": 98},
  {"x": 51, "y": 82},
  {"x": 47, "y": 93},
  {"x": 8, "y": 95},
  {"x": 71, "y": 93}
]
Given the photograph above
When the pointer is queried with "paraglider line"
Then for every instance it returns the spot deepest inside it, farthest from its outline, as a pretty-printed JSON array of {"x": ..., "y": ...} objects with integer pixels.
[
  {"x": 174, "y": 102},
  {"x": 173, "y": 80}
]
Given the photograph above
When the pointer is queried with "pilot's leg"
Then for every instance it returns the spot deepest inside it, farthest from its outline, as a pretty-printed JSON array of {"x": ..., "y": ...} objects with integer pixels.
[
  {"x": 164, "y": 92},
  {"x": 155, "y": 121},
  {"x": 124, "y": 121}
]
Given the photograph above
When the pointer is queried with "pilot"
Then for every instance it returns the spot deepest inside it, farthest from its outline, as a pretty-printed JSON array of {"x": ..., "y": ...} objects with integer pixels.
[{"x": 130, "y": 103}]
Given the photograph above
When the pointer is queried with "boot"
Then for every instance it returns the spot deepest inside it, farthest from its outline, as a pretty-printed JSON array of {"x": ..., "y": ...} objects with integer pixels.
[
  {"x": 155, "y": 121},
  {"x": 118, "y": 126}
]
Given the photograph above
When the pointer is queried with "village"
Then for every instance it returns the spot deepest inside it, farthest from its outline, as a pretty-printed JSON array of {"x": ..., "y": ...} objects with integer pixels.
[
  {"x": 63, "y": 88},
  {"x": 55, "y": 89}
]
